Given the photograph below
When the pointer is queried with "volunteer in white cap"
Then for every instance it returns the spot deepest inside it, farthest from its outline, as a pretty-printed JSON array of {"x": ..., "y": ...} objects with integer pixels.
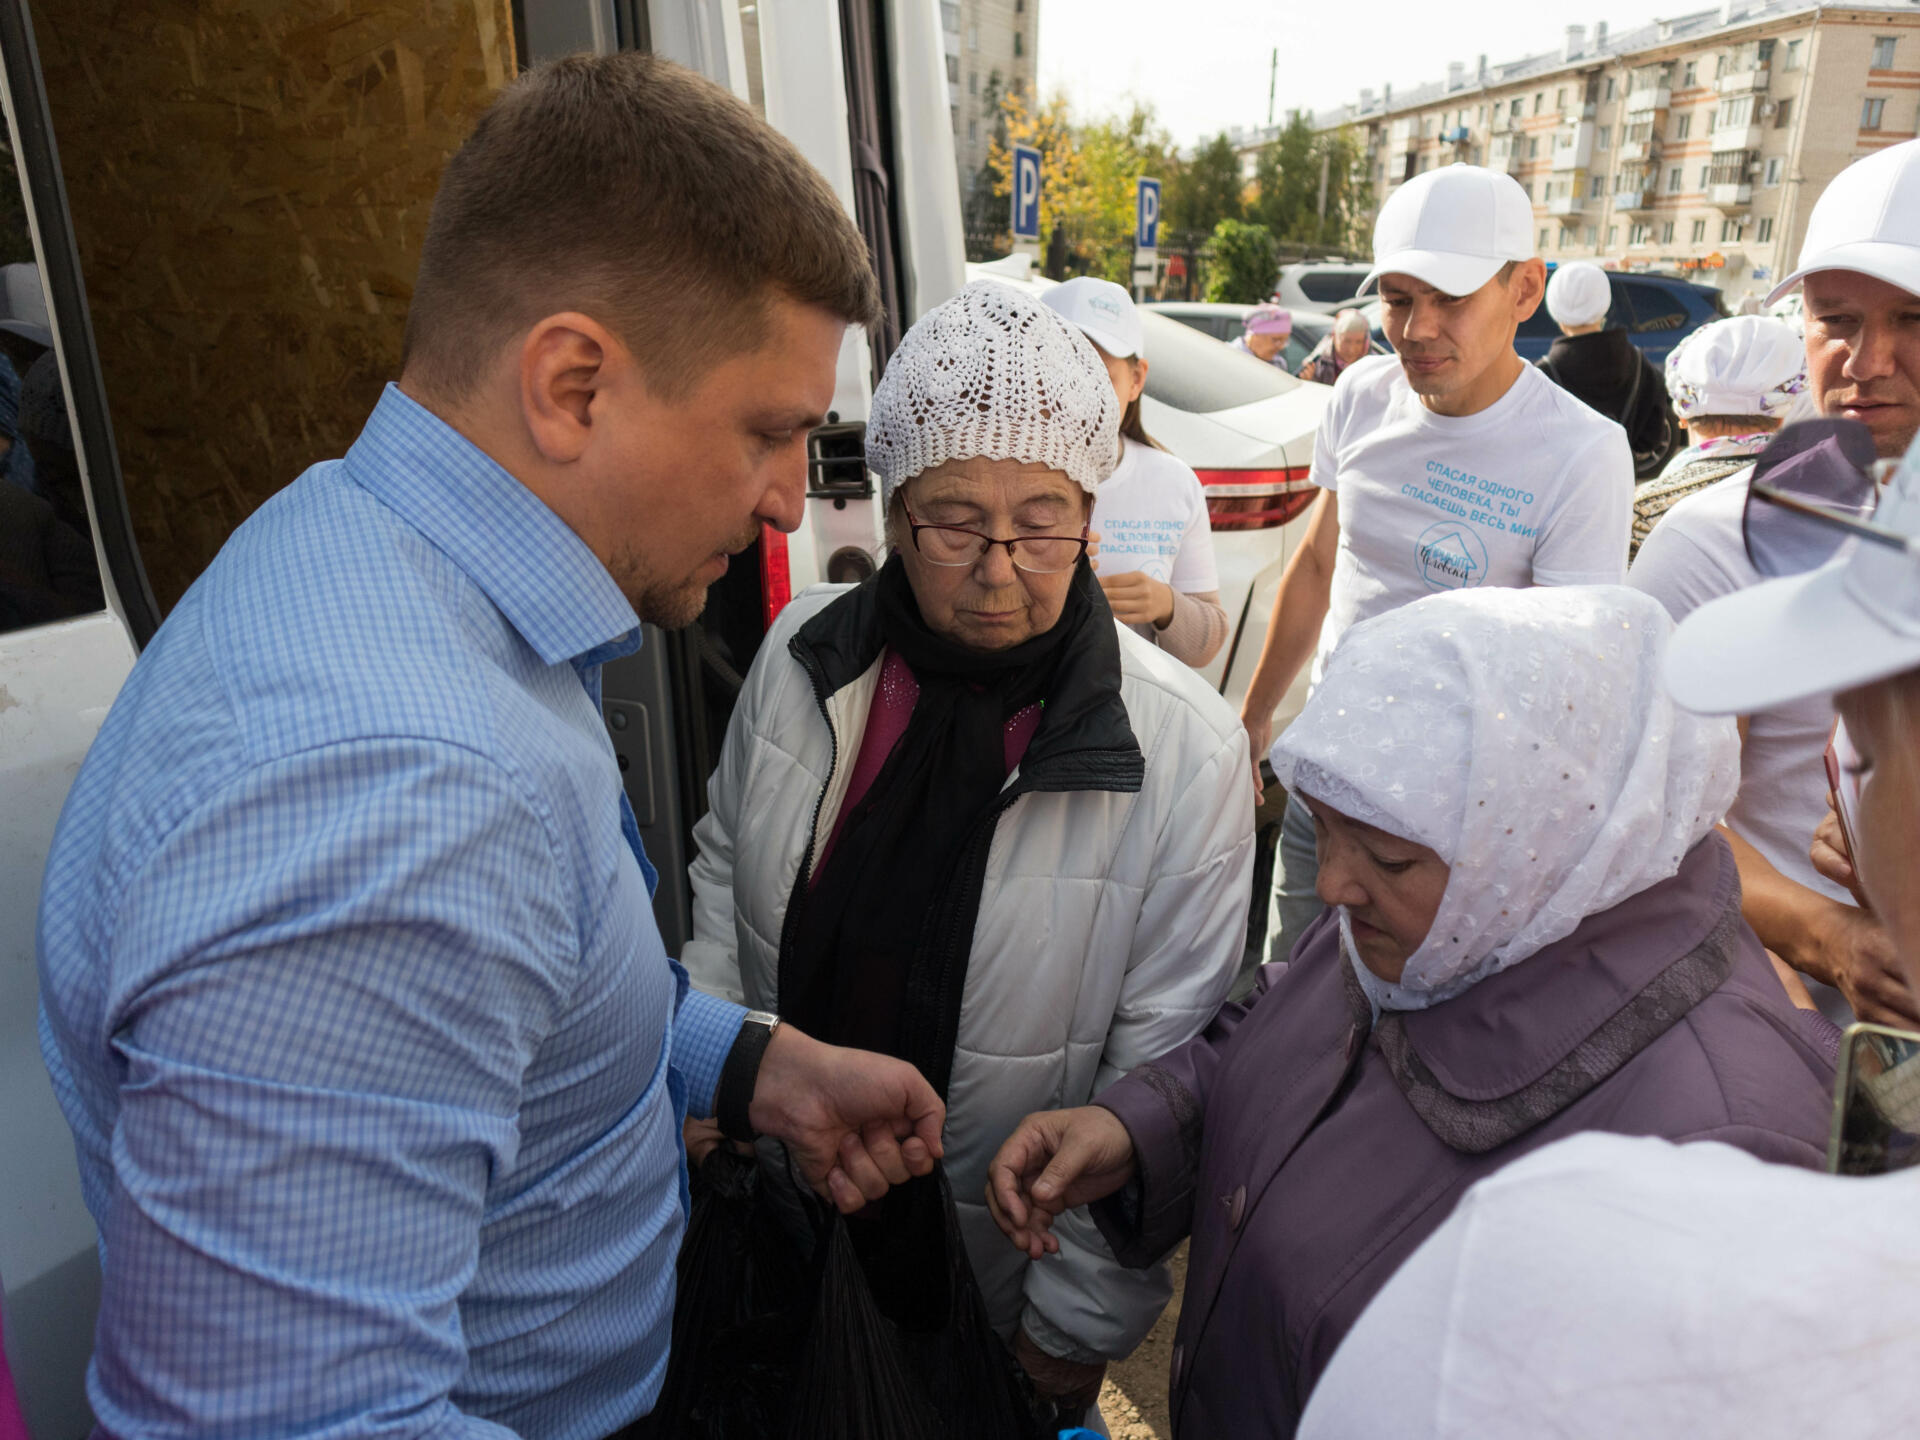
[
  {"x": 1448, "y": 465},
  {"x": 1608, "y": 1286},
  {"x": 1860, "y": 272},
  {"x": 1603, "y": 367},
  {"x": 963, "y": 812},
  {"x": 1156, "y": 541}
]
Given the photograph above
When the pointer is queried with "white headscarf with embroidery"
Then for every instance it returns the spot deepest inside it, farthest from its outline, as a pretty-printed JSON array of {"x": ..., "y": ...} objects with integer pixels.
[{"x": 1525, "y": 737}]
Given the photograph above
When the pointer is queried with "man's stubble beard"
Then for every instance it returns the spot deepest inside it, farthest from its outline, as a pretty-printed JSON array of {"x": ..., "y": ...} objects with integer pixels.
[{"x": 672, "y": 605}]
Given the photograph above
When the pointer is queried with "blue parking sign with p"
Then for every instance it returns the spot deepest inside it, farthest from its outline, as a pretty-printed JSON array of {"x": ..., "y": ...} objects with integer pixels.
[
  {"x": 1146, "y": 234},
  {"x": 1026, "y": 193}
]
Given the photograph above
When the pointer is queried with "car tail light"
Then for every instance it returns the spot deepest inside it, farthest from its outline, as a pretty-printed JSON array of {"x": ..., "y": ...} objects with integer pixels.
[
  {"x": 1256, "y": 499},
  {"x": 776, "y": 574}
]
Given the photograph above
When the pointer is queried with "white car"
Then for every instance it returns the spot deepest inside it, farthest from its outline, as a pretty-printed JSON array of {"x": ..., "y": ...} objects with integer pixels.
[
  {"x": 1247, "y": 430},
  {"x": 1322, "y": 285}
]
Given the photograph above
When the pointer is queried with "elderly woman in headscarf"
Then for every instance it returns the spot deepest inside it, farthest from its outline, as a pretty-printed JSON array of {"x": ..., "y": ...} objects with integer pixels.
[
  {"x": 1533, "y": 930},
  {"x": 965, "y": 817},
  {"x": 1348, "y": 340}
]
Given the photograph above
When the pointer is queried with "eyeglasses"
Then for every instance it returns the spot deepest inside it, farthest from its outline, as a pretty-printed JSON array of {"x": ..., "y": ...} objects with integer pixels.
[
  {"x": 1814, "y": 488},
  {"x": 1035, "y": 554}
]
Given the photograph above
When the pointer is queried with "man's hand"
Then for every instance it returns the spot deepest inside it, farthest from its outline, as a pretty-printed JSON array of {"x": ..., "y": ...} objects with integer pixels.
[
  {"x": 1056, "y": 1160},
  {"x": 1856, "y": 953},
  {"x": 1259, "y": 722},
  {"x": 1068, "y": 1384},
  {"x": 1139, "y": 599},
  {"x": 1831, "y": 857},
  {"x": 857, "y": 1122}
]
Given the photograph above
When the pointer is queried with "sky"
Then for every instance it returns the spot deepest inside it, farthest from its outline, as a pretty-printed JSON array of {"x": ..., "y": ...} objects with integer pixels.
[{"x": 1209, "y": 71}]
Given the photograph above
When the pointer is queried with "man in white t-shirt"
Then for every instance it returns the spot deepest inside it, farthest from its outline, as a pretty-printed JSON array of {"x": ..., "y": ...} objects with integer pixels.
[
  {"x": 1860, "y": 271},
  {"x": 1449, "y": 464}
]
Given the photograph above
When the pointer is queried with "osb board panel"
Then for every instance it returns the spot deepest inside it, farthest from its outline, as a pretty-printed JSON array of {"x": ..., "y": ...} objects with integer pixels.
[{"x": 250, "y": 181}]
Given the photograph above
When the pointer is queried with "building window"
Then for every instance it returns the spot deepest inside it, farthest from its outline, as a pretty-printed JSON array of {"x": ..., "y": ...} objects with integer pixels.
[
  {"x": 973, "y": 132},
  {"x": 1719, "y": 65},
  {"x": 1773, "y": 172},
  {"x": 1596, "y": 188},
  {"x": 1019, "y": 7},
  {"x": 1705, "y": 170},
  {"x": 1793, "y": 56},
  {"x": 1666, "y": 233},
  {"x": 1730, "y": 231},
  {"x": 1539, "y": 101},
  {"x": 1546, "y": 238},
  {"x": 1781, "y": 111},
  {"x": 1883, "y": 52},
  {"x": 1560, "y": 100},
  {"x": 1613, "y": 236},
  {"x": 1763, "y": 53},
  {"x": 1870, "y": 112},
  {"x": 1515, "y": 109},
  {"x": 1699, "y": 232},
  {"x": 1603, "y": 139},
  {"x": 953, "y": 112},
  {"x": 1682, "y": 126},
  {"x": 1609, "y": 96},
  {"x": 973, "y": 82},
  {"x": 953, "y": 69},
  {"x": 1639, "y": 234},
  {"x": 1592, "y": 236},
  {"x": 1673, "y": 181},
  {"x": 949, "y": 16},
  {"x": 1019, "y": 44},
  {"x": 1765, "y": 231},
  {"x": 1690, "y": 75},
  {"x": 973, "y": 37},
  {"x": 1533, "y": 148}
]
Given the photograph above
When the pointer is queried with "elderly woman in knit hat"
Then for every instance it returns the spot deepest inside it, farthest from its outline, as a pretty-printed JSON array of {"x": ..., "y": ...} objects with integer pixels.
[
  {"x": 964, "y": 817},
  {"x": 1602, "y": 367},
  {"x": 1533, "y": 930},
  {"x": 1264, "y": 334}
]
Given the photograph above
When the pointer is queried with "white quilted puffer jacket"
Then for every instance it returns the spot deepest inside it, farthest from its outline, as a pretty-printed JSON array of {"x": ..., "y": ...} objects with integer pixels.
[{"x": 1110, "y": 924}]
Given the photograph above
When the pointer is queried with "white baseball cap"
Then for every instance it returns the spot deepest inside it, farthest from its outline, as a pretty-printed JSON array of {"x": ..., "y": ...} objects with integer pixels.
[
  {"x": 1854, "y": 620},
  {"x": 1452, "y": 228},
  {"x": 1867, "y": 220},
  {"x": 1579, "y": 293},
  {"x": 1103, "y": 311}
]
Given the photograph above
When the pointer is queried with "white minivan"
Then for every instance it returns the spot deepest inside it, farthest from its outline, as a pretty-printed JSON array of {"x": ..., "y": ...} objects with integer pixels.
[{"x": 841, "y": 78}]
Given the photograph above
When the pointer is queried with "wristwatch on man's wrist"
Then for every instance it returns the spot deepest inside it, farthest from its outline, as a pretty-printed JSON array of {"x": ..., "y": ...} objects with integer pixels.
[{"x": 741, "y": 1073}]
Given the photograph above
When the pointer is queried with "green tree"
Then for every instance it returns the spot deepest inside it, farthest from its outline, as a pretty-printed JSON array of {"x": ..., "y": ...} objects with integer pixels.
[
  {"x": 1245, "y": 266},
  {"x": 1288, "y": 175},
  {"x": 1205, "y": 189}
]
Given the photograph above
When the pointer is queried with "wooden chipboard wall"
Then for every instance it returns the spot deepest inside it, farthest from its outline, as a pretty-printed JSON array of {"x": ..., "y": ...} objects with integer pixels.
[{"x": 250, "y": 181}]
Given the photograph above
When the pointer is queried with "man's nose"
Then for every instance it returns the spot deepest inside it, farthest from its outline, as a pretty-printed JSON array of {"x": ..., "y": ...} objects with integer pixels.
[
  {"x": 1420, "y": 321},
  {"x": 1870, "y": 356},
  {"x": 783, "y": 504}
]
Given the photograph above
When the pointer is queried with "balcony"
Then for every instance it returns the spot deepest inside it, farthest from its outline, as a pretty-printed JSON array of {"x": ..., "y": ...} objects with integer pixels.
[
  {"x": 1507, "y": 153},
  {"x": 1730, "y": 195},
  {"x": 1632, "y": 151},
  {"x": 1636, "y": 199},
  {"x": 1648, "y": 98},
  {"x": 1566, "y": 205},
  {"x": 1743, "y": 82},
  {"x": 1573, "y": 146},
  {"x": 1741, "y": 135}
]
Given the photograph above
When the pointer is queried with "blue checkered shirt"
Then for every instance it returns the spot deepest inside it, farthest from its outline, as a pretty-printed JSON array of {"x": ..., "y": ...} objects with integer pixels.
[{"x": 351, "y": 987}]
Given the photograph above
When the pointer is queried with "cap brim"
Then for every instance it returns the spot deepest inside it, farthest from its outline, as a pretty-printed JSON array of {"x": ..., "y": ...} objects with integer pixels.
[
  {"x": 1447, "y": 272},
  {"x": 1898, "y": 265},
  {"x": 28, "y": 330},
  {"x": 1781, "y": 641}
]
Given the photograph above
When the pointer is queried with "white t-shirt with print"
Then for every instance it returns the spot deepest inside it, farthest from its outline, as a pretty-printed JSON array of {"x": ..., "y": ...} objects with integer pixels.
[
  {"x": 1152, "y": 517},
  {"x": 1537, "y": 489},
  {"x": 1698, "y": 553}
]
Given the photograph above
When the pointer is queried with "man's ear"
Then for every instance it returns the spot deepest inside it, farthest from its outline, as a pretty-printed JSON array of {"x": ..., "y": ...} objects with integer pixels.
[
  {"x": 566, "y": 361},
  {"x": 1529, "y": 288}
]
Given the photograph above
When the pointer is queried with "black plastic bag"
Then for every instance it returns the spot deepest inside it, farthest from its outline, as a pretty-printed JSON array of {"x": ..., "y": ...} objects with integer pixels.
[{"x": 785, "y": 1330}]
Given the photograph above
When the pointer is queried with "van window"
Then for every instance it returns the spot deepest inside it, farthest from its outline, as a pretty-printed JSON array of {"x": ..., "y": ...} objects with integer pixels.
[
  {"x": 1194, "y": 372},
  {"x": 1655, "y": 308},
  {"x": 47, "y": 567},
  {"x": 1323, "y": 287}
]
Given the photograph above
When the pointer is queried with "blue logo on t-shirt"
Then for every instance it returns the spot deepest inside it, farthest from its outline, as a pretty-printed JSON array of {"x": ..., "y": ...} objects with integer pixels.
[{"x": 1450, "y": 556}]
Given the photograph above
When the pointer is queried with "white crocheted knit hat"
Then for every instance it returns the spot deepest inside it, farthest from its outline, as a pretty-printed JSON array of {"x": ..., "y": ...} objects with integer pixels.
[{"x": 994, "y": 374}]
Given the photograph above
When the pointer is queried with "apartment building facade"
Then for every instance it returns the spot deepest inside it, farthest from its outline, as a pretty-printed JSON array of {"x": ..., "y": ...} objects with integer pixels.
[
  {"x": 1697, "y": 144},
  {"x": 985, "y": 40}
]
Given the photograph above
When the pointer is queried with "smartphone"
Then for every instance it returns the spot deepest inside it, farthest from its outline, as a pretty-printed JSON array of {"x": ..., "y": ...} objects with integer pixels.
[
  {"x": 1843, "y": 779},
  {"x": 1876, "y": 1102}
]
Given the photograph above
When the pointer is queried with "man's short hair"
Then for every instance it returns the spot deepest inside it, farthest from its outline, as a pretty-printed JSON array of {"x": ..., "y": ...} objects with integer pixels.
[{"x": 632, "y": 190}]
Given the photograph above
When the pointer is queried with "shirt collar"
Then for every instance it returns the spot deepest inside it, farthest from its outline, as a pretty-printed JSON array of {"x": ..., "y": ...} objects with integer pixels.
[{"x": 552, "y": 589}]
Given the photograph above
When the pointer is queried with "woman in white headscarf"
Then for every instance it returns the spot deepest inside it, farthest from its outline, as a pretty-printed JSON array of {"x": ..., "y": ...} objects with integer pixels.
[{"x": 1533, "y": 930}]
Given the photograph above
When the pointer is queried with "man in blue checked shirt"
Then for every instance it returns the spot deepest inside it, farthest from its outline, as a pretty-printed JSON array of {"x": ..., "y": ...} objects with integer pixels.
[{"x": 351, "y": 987}]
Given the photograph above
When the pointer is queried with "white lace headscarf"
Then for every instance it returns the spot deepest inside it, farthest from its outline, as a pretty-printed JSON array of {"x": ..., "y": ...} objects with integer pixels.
[
  {"x": 1524, "y": 736},
  {"x": 994, "y": 373}
]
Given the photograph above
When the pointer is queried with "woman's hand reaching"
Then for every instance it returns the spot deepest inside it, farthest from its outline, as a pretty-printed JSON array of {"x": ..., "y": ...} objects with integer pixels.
[{"x": 1056, "y": 1160}]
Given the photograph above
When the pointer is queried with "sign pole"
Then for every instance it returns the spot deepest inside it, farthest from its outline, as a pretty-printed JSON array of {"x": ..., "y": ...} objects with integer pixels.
[{"x": 1146, "y": 237}]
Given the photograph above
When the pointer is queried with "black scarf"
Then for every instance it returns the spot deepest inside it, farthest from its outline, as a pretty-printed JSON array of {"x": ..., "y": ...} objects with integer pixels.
[{"x": 870, "y": 943}]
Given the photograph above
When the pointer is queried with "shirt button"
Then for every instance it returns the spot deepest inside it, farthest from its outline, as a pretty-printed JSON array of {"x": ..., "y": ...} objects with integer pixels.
[{"x": 1237, "y": 1207}]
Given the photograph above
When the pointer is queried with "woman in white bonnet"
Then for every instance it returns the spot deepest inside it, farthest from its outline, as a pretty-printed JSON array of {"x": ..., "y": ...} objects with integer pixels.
[{"x": 964, "y": 817}]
